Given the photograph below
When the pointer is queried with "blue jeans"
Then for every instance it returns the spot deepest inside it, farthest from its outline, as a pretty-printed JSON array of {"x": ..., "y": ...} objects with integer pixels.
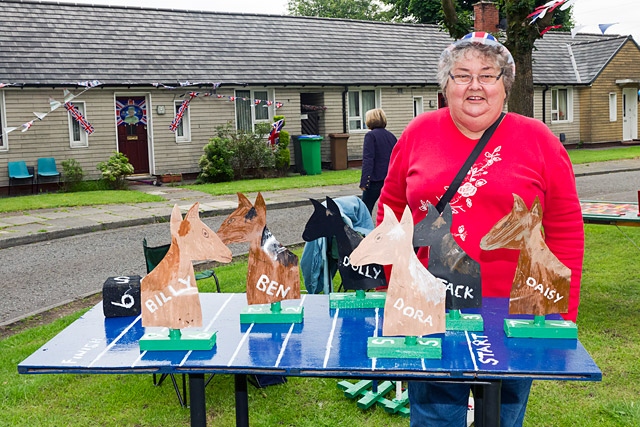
[{"x": 436, "y": 404}]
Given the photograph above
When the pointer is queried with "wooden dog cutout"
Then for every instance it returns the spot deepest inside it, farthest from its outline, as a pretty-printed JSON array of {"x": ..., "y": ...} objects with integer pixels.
[
  {"x": 169, "y": 293},
  {"x": 415, "y": 304}
]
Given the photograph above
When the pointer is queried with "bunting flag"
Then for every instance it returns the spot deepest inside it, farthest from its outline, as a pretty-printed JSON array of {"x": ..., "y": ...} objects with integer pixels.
[
  {"x": 68, "y": 96},
  {"x": 89, "y": 84},
  {"x": 77, "y": 115},
  {"x": 604, "y": 27},
  {"x": 274, "y": 135},
  {"x": 541, "y": 11},
  {"x": 54, "y": 105},
  {"x": 183, "y": 107},
  {"x": 551, "y": 27},
  {"x": 575, "y": 30},
  {"x": 139, "y": 110},
  {"x": 27, "y": 126},
  {"x": 567, "y": 4}
]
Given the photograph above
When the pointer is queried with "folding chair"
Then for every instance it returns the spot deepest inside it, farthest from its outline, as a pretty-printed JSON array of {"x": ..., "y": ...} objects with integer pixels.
[
  {"x": 46, "y": 169},
  {"x": 18, "y": 171},
  {"x": 153, "y": 255}
]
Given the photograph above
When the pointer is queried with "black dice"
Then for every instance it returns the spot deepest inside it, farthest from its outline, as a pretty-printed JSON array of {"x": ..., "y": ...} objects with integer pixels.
[{"x": 121, "y": 296}]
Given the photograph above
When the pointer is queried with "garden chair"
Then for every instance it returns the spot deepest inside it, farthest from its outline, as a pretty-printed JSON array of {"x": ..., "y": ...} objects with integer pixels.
[
  {"x": 153, "y": 255},
  {"x": 47, "y": 169},
  {"x": 18, "y": 171}
]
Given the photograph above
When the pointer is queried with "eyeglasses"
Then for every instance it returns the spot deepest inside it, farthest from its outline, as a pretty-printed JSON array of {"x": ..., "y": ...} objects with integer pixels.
[{"x": 483, "y": 79}]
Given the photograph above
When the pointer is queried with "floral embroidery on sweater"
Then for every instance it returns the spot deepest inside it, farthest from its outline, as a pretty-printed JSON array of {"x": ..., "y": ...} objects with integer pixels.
[{"x": 475, "y": 179}]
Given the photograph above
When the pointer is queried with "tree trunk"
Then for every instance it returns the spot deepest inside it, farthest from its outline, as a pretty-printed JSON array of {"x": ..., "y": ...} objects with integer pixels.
[{"x": 521, "y": 97}]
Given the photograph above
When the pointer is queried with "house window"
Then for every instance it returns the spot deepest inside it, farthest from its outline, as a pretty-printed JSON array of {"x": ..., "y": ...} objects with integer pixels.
[
  {"x": 613, "y": 112},
  {"x": 561, "y": 105},
  {"x": 78, "y": 137},
  {"x": 418, "y": 105},
  {"x": 361, "y": 101},
  {"x": 4, "y": 146},
  {"x": 183, "y": 131},
  {"x": 252, "y": 108}
]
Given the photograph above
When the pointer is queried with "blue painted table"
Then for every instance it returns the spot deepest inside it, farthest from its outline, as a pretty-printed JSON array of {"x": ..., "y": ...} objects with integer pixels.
[{"x": 329, "y": 343}]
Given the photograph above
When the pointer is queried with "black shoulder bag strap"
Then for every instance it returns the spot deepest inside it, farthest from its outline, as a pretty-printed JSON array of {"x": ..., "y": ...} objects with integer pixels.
[{"x": 455, "y": 184}]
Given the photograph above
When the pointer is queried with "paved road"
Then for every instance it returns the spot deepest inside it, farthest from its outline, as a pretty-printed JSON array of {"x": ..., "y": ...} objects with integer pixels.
[{"x": 43, "y": 275}]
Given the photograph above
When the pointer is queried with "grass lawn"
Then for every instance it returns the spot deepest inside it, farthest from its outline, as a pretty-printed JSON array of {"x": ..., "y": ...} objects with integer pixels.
[{"x": 609, "y": 328}]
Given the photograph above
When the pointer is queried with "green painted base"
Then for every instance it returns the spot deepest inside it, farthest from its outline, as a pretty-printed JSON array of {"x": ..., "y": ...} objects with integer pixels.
[
  {"x": 358, "y": 299},
  {"x": 364, "y": 388},
  {"x": 457, "y": 321},
  {"x": 404, "y": 348},
  {"x": 263, "y": 313},
  {"x": 397, "y": 405},
  {"x": 182, "y": 341},
  {"x": 519, "y": 328}
]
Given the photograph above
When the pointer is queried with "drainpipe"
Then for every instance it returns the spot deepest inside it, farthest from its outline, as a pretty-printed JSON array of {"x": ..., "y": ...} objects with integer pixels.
[
  {"x": 544, "y": 103},
  {"x": 344, "y": 109}
]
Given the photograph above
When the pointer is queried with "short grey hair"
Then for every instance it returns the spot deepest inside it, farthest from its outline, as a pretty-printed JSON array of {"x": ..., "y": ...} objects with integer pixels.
[{"x": 497, "y": 54}]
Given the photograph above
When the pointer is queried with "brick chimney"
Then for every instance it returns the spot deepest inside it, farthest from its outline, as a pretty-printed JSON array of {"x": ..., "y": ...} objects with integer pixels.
[{"x": 486, "y": 17}]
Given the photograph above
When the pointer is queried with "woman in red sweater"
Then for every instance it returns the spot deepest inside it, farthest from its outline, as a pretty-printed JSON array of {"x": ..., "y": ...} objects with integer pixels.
[{"x": 523, "y": 157}]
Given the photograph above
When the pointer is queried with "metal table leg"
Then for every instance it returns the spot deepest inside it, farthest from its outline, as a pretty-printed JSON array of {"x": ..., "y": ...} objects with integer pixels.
[
  {"x": 197, "y": 403},
  {"x": 242, "y": 401},
  {"x": 486, "y": 398}
]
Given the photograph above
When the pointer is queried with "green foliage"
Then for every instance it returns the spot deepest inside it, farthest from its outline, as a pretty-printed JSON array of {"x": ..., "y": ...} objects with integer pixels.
[
  {"x": 72, "y": 175},
  {"x": 215, "y": 163},
  {"x": 282, "y": 153},
  {"x": 348, "y": 9},
  {"x": 236, "y": 154},
  {"x": 115, "y": 170}
]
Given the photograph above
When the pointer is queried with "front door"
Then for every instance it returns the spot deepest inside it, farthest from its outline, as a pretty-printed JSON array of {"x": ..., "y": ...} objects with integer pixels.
[
  {"x": 629, "y": 113},
  {"x": 131, "y": 115}
]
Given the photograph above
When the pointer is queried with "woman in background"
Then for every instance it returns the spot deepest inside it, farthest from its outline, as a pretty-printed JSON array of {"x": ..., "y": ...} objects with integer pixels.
[{"x": 376, "y": 151}]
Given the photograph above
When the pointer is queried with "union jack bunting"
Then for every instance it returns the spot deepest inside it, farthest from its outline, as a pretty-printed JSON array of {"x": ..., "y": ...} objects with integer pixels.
[
  {"x": 278, "y": 104},
  {"x": 77, "y": 115},
  {"x": 274, "y": 135},
  {"x": 183, "y": 107},
  {"x": 27, "y": 126},
  {"x": 91, "y": 83}
]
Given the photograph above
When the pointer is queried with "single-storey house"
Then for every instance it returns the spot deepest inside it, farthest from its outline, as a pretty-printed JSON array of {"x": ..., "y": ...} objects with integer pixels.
[{"x": 82, "y": 81}]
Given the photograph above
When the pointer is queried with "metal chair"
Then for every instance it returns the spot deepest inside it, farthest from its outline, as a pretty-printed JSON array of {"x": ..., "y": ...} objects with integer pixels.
[{"x": 18, "y": 171}]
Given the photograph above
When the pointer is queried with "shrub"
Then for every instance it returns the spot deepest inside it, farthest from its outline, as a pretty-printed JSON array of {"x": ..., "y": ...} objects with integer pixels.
[
  {"x": 236, "y": 154},
  {"x": 115, "y": 170},
  {"x": 72, "y": 175},
  {"x": 215, "y": 163},
  {"x": 283, "y": 155}
]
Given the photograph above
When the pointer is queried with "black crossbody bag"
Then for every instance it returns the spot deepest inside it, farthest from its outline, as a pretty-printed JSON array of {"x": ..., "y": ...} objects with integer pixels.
[{"x": 455, "y": 184}]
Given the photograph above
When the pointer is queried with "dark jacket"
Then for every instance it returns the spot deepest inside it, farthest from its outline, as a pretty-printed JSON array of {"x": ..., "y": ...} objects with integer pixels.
[{"x": 376, "y": 152}]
